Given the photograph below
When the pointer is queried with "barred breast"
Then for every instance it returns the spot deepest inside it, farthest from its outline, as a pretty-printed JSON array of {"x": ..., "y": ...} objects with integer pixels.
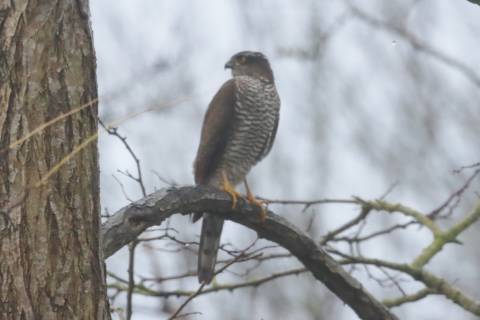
[{"x": 256, "y": 118}]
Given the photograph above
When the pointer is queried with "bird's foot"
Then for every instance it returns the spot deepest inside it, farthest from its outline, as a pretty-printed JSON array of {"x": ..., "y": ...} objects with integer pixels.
[
  {"x": 259, "y": 203},
  {"x": 228, "y": 188}
]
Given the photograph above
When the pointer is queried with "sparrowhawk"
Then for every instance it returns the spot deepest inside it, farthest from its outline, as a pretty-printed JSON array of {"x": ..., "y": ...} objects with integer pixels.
[{"x": 238, "y": 131}]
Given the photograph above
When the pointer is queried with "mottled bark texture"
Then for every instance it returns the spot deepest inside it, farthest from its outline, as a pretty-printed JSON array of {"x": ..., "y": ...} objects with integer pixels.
[
  {"x": 50, "y": 266},
  {"x": 126, "y": 224}
]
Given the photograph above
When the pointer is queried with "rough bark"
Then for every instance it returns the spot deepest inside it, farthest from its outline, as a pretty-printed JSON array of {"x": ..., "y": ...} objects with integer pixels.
[
  {"x": 126, "y": 224},
  {"x": 51, "y": 266}
]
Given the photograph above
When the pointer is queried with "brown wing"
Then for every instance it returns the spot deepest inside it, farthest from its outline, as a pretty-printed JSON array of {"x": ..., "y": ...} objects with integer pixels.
[{"x": 216, "y": 130}]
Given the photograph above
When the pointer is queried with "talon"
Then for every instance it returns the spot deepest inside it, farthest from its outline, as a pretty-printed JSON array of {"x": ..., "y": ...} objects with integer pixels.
[
  {"x": 259, "y": 203},
  {"x": 263, "y": 215},
  {"x": 228, "y": 188}
]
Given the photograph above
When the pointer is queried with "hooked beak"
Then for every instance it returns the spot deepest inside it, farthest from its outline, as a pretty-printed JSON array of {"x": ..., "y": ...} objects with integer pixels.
[{"x": 229, "y": 64}]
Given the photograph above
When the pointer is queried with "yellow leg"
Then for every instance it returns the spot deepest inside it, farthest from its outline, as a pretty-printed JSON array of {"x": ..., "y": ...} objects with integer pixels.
[
  {"x": 254, "y": 201},
  {"x": 228, "y": 188}
]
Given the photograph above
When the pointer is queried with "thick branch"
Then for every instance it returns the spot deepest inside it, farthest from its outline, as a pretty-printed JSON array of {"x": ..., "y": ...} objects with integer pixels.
[
  {"x": 475, "y": 1},
  {"x": 125, "y": 225}
]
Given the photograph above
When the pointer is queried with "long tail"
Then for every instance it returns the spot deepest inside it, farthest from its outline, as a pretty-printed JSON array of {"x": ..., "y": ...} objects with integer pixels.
[{"x": 209, "y": 243}]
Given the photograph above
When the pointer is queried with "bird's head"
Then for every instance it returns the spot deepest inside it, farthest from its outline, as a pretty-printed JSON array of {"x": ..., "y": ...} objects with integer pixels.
[{"x": 250, "y": 63}]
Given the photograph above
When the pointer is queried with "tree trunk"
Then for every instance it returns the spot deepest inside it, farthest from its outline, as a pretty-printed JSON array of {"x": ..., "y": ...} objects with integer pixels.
[{"x": 51, "y": 266}]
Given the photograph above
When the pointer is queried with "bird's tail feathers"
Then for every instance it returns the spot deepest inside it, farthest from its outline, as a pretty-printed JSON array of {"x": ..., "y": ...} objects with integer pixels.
[{"x": 209, "y": 244}]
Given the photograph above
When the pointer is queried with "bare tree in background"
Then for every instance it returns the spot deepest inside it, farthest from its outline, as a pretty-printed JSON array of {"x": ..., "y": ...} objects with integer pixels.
[
  {"x": 51, "y": 266},
  {"x": 398, "y": 149}
]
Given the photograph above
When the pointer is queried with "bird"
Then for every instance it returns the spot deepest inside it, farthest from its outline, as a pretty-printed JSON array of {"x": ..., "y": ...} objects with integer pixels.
[{"x": 238, "y": 131}]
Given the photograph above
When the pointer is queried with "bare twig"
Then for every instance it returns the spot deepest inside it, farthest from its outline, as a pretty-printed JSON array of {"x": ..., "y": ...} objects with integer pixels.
[
  {"x": 421, "y": 218},
  {"x": 375, "y": 234},
  {"x": 122, "y": 187},
  {"x": 454, "y": 196},
  {"x": 311, "y": 202},
  {"x": 419, "y": 295},
  {"x": 140, "y": 289},
  {"x": 199, "y": 290},
  {"x": 190, "y": 298},
  {"x": 470, "y": 166},
  {"x": 361, "y": 217},
  {"x": 131, "y": 277},
  {"x": 139, "y": 178}
]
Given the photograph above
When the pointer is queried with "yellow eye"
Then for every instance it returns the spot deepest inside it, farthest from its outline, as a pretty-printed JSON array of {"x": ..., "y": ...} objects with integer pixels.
[{"x": 242, "y": 59}]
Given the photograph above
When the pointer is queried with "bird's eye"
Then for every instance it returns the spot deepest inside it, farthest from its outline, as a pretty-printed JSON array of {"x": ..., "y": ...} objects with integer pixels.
[{"x": 242, "y": 59}]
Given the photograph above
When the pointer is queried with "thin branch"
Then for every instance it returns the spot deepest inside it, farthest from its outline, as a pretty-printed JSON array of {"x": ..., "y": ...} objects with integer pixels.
[
  {"x": 139, "y": 177},
  {"x": 375, "y": 234},
  {"x": 332, "y": 234},
  {"x": 445, "y": 237},
  {"x": 190, "y": 298},
  {"x": 187, "y": 274},
  {"x": 456, "y": 195},
  {"x": 199, "y": 290},
  {"x": 140, "y": 289},
  {"x": 311, "y": 202},
  {"x": 131, "y": 277},
  {"x": 122, "y": 187},
  {"x": 470, "y": 166},
  {"x": 188, "y": 314},
  {"x": 419, "y": 295},
  {"x": 421, "y": 218}
]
